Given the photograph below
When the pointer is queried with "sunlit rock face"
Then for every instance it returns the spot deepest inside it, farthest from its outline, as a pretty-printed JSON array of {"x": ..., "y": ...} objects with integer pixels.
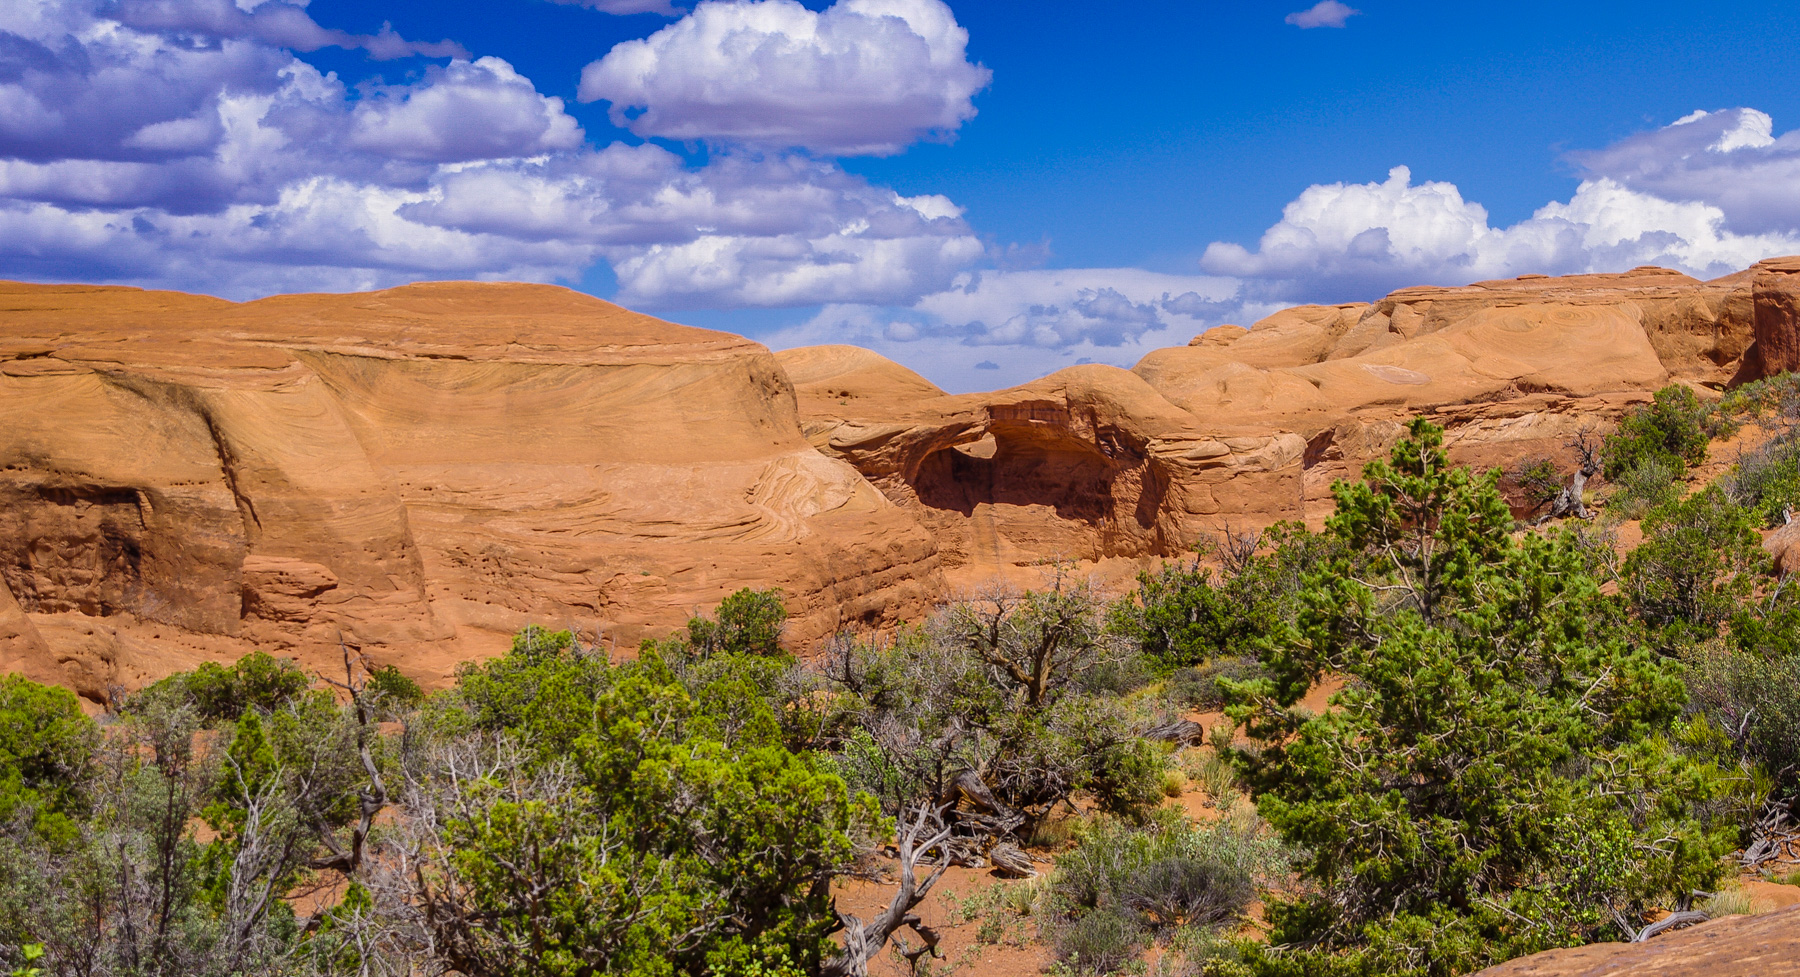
[
  {"x": 1245, "y": 427},
  {"x": 415, "y": 473}
]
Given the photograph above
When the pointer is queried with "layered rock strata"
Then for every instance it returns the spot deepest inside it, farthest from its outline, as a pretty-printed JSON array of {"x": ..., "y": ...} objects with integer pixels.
[
  {"x": 1243, "y": 427},
  {"x": 416, "y": 472}
]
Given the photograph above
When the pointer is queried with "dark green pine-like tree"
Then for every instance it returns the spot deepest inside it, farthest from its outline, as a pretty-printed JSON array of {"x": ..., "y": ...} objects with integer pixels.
[{"x": 1495, "y": 776}]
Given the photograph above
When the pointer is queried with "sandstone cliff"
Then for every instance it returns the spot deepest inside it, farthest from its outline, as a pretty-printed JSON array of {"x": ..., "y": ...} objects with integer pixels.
[
  {"x": 419, "y": 472},
  {"x": 1243, "y": 427},
  {"x": 416, "y": 472}
]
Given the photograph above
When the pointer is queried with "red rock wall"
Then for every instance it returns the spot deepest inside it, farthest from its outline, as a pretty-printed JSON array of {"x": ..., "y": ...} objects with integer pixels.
[{"x": 416, "y": 473}]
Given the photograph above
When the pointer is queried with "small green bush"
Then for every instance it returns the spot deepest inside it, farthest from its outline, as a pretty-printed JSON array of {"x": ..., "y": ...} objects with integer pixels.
[
  {"x": 1779, "y": 395},
  {"x": 1198, "y": 687},
  {"x": 1675, "y": 426},
  {"x": 748, "y": 622},
  {"x": 1693, "y": 567},
  {"x": 1125, "y": 885},
  {"x": 46, "y": 750},
  {"x": 1187, "y": 615},
  {"x": 1538, "y": 480},
  {"x": 1652, "y": 483},
  {"x": 1102, "y": 942},
  {"x": 1751, "y": 688},
  {"x": 1767, "y": 480},
  {"x": 394, "y": 689},
  {"x": 222, "y": 693}
]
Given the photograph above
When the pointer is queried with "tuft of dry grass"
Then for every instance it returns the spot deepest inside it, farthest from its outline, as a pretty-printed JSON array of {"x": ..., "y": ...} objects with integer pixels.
[
  {"x": 1734, "y": 901},
  {"x": 1213, "y": 774},
  {"x": 1056, "y": 835}
]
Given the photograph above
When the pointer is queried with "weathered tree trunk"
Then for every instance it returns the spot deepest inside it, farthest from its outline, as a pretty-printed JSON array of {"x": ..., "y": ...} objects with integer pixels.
[
  {"x": 862, "y": 941},
  {"x": 1671, "y": 921},
  {"x": 1183, "y": 731},
  {"x": 1570, "y": 501}
]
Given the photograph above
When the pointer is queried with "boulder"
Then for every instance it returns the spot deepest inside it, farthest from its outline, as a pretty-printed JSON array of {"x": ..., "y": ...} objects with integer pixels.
[
  {"x": 1783, "y": 546},
  {"x": 1765, "y": 945}
]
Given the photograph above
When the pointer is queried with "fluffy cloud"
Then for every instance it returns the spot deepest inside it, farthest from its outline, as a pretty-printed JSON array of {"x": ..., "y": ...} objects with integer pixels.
[
  {"x": 1325, "y": 13},
  {"x": 1360, "y": 239},
  {"x": 862, "y": 77},
  {"x": 470, "y": 110},
  {"x": 138, "y": 154},
  {"x": 1730, "y": 159},
  {"x": 71, "y": 89}
]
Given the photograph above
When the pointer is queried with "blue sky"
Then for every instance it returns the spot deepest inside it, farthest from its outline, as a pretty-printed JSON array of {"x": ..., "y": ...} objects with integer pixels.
[{"x": 984, "y": 191}]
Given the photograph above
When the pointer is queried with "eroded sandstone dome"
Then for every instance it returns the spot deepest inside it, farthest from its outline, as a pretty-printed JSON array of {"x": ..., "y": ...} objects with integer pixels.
[{"x": 418, "y": 472}]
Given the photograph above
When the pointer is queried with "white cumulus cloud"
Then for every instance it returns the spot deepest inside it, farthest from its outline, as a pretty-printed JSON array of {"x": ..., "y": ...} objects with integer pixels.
[
  {"x": 861, "y": 77},
  {"x": 192, "y": 151},
  {"x": 1360, "y": 239},
  {"x": 469, "y": 110},
  {"x": 1730, "y": 159}
]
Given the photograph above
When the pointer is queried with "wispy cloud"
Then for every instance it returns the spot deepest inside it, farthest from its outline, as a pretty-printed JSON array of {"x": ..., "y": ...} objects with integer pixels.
[
  {"x": 1325, "y": 13},
  {"x": 626, "y": 7}
]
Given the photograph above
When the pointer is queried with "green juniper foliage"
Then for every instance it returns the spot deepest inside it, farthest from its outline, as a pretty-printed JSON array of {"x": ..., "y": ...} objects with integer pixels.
[
  {"x": 672, "y": 841},
  {"x": 1698, "y": 562},
  {"x": 1188, "y": 615},
  {"x": 1674, "y": 427},
  {"x": 1494, "y": 725}
]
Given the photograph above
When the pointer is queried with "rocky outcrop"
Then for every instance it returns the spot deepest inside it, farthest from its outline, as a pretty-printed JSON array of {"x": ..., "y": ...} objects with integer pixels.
[
  {"x": 1243, "y": 427},
  {"x": 1765, "y": 945},
  {"x": 416, "y": 472},
  {"x": 1777, "y": 315},
  {"x": 1086, "y": 464}
]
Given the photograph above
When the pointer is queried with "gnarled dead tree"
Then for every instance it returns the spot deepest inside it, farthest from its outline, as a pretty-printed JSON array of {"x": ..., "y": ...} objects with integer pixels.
[
  {"x": 1569, "y": 502},
  {"x": 346, "y": 856},
  {"x": 1036, "y": 641},
  {"x": 923, "y": 831}
]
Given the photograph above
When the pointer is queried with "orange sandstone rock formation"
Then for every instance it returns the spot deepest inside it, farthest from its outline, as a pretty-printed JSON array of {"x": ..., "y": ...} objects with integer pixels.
[
  {"x": 421, "y": 471},
  {"x": 1243, "y": 427},
  {"x": 1765, "y": 945},
  {"x": 416, "y": 472}
]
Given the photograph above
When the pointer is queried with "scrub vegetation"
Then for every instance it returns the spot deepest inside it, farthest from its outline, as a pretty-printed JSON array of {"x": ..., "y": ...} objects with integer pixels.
[{"x": 1531, "y": 744}]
